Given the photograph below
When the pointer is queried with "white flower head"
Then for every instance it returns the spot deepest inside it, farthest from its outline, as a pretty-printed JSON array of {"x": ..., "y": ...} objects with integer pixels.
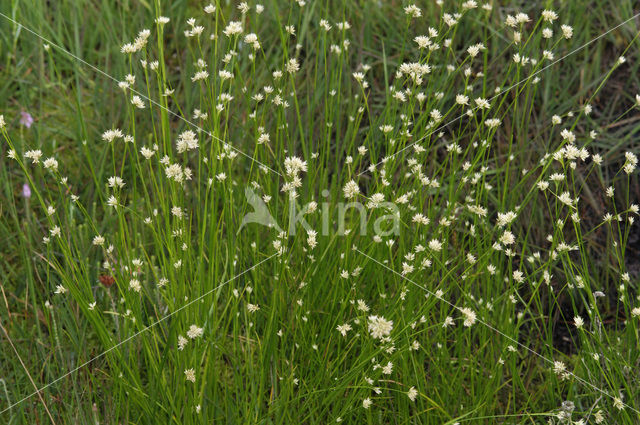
[{"x": 379, "y": 327}]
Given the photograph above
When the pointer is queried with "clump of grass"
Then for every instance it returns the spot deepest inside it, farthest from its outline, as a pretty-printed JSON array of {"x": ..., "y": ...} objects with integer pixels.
[{"x": 281, "y": 225}]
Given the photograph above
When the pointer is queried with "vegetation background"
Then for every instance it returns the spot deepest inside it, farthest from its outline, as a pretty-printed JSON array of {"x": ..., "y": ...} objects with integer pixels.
[{"x": 313, "y": 375}]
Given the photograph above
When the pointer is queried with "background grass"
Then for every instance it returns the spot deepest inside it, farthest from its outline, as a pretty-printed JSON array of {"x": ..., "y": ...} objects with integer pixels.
[{"x": 246, "y": 372}]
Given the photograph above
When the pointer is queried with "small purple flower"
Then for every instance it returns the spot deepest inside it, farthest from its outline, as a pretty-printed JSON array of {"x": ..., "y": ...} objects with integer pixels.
[
  {"x": 26, "y": 119},
  {"x": 26, "y": 191}
]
